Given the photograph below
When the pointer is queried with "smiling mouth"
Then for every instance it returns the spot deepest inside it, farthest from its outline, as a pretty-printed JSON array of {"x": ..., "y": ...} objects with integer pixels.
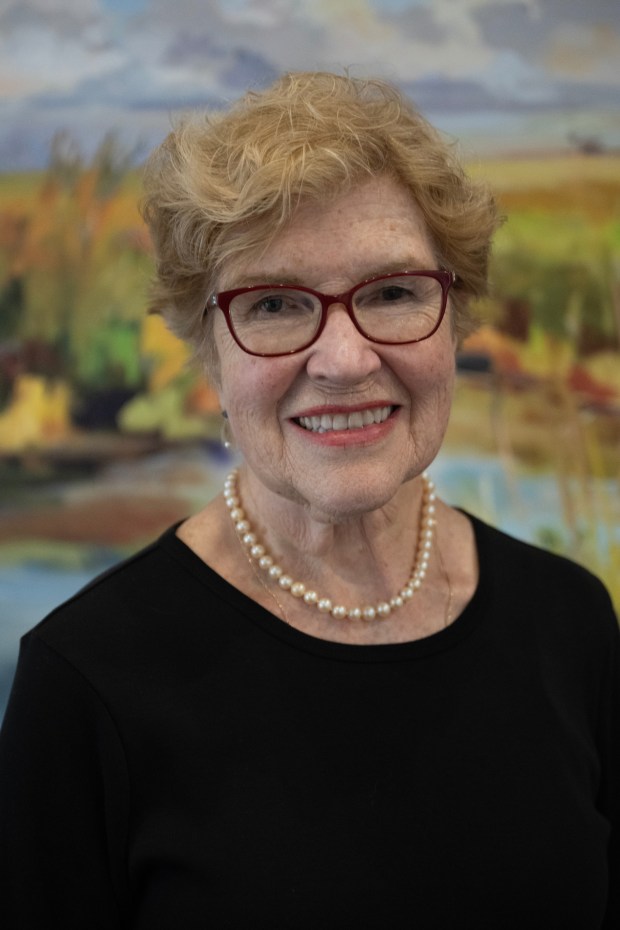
[{"x": 344, "y": 421}]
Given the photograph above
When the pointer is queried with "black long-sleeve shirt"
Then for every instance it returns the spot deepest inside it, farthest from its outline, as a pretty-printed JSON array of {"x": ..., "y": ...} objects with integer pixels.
[{"x": 174, "y": 756}]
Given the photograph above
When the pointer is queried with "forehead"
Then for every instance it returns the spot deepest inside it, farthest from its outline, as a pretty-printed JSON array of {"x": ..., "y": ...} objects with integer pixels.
[{"x": 374, "y": 228}]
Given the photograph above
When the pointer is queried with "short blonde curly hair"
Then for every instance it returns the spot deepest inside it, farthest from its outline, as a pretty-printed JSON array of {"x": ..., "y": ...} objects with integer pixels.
[{"x": 222, "y": 184}]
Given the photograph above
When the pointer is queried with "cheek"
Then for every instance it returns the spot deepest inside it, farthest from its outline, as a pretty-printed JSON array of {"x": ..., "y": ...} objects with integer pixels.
[
  {"x": 430, "y": 373},
  {"x": 236, "y": 370},
  {"x": 445, "y": 379},
  {"x": 253, "y": 387}
]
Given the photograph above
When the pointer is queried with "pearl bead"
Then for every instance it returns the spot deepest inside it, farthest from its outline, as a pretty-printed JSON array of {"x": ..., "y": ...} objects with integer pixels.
[{"x": 297, "y": 589}]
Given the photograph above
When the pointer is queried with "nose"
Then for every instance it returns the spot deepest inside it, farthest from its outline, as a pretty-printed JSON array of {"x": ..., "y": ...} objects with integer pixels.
[{"x": 341, "y": 355}]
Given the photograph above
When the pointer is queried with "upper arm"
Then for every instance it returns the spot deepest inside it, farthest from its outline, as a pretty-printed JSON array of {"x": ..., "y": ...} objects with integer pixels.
[{"x": 63, "y": 799}]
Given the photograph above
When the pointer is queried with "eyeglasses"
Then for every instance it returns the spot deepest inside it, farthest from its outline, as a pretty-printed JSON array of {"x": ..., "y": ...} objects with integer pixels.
[{"x": 279, "y": 319}]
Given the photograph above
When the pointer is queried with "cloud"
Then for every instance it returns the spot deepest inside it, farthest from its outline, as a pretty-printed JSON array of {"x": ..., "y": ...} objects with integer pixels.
[
  {"x": 504, "y": 44},
  {"x": 71, "y": 59},
  {"x": 552, "y": 34},
  {"x": 54, "y": 44},
  {"x": 56, "y": 14},
  {"x": 588, "y": 53}
]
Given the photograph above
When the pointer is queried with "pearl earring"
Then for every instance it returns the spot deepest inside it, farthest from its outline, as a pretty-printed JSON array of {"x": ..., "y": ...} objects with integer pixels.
[{"x": 226, "y": 437}]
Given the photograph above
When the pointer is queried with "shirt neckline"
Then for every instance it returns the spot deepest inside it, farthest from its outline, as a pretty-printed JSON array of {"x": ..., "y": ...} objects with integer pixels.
[{"x": 273, "y": 626}]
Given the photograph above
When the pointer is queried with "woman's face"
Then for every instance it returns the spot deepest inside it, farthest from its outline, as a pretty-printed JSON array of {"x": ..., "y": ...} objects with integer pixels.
[{"x": 340, "y": 473}]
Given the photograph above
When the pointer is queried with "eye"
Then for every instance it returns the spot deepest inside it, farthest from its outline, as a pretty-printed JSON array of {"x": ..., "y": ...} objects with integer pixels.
[
  {"x": 406, "y": 293},
  {"x": 381, "y": 293},
  {"x": 289, "y": 302},
  {"x": 392, "y": 292},
  {"x": 269, "y": 305}
]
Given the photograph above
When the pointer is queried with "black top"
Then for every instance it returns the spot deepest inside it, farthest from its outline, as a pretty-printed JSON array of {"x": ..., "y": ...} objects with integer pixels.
[{"x": 174, "y": 757}]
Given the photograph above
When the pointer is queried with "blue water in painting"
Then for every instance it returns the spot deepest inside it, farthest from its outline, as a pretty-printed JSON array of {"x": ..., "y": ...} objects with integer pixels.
[{"x": 529, "y": 507}]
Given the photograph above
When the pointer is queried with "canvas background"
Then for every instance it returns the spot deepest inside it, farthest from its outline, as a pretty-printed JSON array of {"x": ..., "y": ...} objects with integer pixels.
[{"x": 106, "y": 438}]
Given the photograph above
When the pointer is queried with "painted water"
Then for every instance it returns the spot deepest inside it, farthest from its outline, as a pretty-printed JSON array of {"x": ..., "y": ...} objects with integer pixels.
[{"x": 529, "y": 506}]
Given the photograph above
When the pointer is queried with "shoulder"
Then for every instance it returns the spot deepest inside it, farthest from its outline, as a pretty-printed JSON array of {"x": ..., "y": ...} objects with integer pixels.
[
  {"x": 145, "y": 607},
  {"x": 111, "y": 591},
  {"x": 519, "y": 555},
  {"x": 537, "y": 585},
  {"x": 134, "y": 639}
]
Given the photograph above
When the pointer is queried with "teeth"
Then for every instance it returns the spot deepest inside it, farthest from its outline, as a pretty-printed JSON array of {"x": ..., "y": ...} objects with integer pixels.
[{"x": 339, "y": 421}]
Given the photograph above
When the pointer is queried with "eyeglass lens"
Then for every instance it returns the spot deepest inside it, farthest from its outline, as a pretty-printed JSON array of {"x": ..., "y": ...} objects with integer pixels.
[{"x": 394, "y": 309}]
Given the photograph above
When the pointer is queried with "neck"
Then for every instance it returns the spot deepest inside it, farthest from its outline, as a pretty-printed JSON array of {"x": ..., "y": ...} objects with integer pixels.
[{"x": 364, "y": 560}]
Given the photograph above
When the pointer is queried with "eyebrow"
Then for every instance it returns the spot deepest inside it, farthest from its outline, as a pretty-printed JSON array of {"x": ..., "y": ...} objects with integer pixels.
[
  {"x": 282, "y": 278},
  {"x": 285, "y": 277}
]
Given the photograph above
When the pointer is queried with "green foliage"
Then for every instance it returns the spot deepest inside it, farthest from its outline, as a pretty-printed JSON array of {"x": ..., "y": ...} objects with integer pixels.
[
  {"x": 75, "y": 265},
  {"x": 562, "y": 269},
  {"x": 112, "y": 357},
  {"x": 163, "y": 412},
  {"x": 110, "y": 163},
  {"x": 11, "y": 307}
]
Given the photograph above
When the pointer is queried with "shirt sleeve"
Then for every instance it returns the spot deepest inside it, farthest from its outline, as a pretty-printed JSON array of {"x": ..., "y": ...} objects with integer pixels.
[{"x": 63, "y": 800}]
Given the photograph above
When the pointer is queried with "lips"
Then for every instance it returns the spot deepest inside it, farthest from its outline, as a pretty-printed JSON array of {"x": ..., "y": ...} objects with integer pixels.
[{"x": 358, "y": 419}]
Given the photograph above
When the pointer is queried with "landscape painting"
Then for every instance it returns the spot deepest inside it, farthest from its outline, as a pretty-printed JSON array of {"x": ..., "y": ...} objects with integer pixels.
[{"x": 108, "y": 435}]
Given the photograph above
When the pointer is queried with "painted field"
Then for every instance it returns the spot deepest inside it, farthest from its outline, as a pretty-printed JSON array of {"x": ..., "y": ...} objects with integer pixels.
[{"x": 89, "y": 380}]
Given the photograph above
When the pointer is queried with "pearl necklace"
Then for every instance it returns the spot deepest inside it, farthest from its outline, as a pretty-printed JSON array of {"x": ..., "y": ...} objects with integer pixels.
[{"x": 259, "y": 555}]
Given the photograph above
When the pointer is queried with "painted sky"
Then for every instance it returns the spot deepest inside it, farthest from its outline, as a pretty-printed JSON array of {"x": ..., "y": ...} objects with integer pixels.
[{"x": 501, "y": 75}]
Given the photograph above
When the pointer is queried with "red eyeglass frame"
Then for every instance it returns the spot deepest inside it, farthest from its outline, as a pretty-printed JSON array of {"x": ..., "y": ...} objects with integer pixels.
[{"x": 223, "y": 299}]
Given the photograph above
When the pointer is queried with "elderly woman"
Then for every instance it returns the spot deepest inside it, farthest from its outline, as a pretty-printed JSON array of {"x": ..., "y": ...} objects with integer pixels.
[{"x": 328, "y": 700}]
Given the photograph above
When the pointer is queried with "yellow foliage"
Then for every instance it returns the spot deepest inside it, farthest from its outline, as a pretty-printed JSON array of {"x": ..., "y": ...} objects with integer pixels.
[
  {"x": 166, "y": 352},
  {"x": 605, "y": 368},
  {"x": 37, "y": 414},
  {"x": 162, "y": 412},
  {"x": 546, "y": 355}
]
